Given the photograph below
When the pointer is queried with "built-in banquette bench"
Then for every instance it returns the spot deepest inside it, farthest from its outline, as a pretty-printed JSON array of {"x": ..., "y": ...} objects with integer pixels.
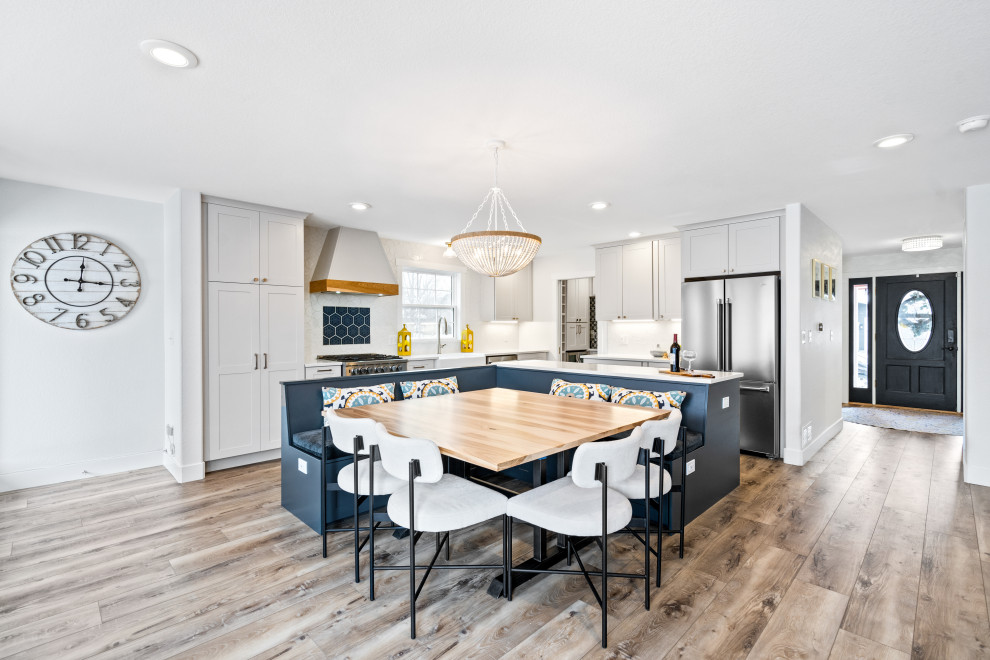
[{"x": 717, "y": 463}]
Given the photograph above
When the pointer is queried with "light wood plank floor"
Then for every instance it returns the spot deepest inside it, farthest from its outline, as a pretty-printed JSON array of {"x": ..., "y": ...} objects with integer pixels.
[{"x": 875, "y": 549}]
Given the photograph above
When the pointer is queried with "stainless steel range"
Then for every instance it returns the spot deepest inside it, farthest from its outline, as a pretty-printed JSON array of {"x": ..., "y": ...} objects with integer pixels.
[{"x": 360, "y": 364}]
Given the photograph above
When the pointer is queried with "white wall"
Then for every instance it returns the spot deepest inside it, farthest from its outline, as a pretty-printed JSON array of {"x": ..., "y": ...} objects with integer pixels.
[
  {"x": 386, "y": 310},
  {"x": 812, "y": 364},
  {"x": 884, "y": 264},
  {"x": 976, "y": 318},
  {"x": 73, "y": 400}
]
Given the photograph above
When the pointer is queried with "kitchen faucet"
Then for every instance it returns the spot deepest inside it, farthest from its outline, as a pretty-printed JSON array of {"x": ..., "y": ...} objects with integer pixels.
[{"x": 445, "y": 329}]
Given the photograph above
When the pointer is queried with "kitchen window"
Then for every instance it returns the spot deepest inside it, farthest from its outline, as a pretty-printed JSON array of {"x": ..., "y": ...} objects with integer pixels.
[{"x": 427, "y": 296}]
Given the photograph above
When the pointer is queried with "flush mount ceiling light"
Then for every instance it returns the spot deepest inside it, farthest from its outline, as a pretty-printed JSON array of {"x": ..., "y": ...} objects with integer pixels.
[
  {"x": 920, "y": 243},
  {"x": 599, "y": 206},
  {"x": 360, "y": 206},
  {"x": 892, "y": 141},
  {"x": 635, "y": 234},
  {"x": 496, "y": 252},
  {"x": 973, "y": 123},
  {"x": 169, "y": 54}
]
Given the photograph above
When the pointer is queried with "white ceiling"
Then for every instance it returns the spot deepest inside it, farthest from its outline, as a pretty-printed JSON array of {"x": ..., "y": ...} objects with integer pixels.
[{"x": 673, "y": 112}]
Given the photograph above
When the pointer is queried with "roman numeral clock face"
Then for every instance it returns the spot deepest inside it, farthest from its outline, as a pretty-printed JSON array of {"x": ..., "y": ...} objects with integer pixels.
[{"x": 75, "y": 281}]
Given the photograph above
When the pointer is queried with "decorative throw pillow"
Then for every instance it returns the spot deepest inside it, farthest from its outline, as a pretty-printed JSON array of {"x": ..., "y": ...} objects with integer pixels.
[
  {"x": 352, "y": 397},
  {"x": 417, "y": 389},
  {"x": 593, "y": 391},
  {"x": 627, "y": 397}
]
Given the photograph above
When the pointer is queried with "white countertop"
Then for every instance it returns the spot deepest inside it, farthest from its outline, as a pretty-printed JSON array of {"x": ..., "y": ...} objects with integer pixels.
[
  {"x": 619, "y": 356},
  {"x": 619, "y": 370}
]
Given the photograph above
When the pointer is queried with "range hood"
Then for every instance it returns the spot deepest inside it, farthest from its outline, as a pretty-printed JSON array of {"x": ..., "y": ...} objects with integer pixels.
[{"x": 353, "y": 261}]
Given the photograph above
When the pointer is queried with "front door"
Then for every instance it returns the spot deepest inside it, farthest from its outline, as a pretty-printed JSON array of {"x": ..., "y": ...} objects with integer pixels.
[{"x": 917, "y": 336}]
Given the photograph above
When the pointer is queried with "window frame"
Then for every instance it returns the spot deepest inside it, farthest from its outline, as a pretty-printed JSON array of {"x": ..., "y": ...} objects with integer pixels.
[{"x": 455, "y": 296}]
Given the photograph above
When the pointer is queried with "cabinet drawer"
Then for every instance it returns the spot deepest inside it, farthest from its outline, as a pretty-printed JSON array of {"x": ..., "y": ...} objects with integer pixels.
[{"x": 313, "y": 373}]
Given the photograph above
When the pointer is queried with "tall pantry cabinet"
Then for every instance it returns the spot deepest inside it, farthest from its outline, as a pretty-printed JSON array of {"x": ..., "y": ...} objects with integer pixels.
[{"x": 254, "y": 266}]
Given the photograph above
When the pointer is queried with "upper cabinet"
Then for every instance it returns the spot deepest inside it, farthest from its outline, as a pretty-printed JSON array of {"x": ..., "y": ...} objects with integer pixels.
[
  {"x": 667, "y": 265},
  {"x": 624, "y": 282},
  {"x": 253, "y": 247},
  {"x": 748, "y": 246},
  {"x": 754, "y": 246},
  {"x": 512, "y": 296},
  {"x": 577, "y": 307}
]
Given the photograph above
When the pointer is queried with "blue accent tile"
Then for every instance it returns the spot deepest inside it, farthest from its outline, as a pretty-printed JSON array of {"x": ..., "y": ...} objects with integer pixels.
[{"x": 346, "y": 325}]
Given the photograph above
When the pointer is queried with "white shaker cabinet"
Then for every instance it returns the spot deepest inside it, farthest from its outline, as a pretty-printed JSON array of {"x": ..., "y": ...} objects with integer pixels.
[
  {"x": 577, "y": 336},
  {"x": 233, "y": 356},
  {"x": 624, "y": 282},
  {"x": 512, "y": 296},
  {"x": 281, "y": 339},
  {"x": 667, "y": 262},
  {"x": 735, "y": 248},
  {"x": 705, "y": 251},
  {"x": 233, "y": 240},
  {"x": 250, "y": 246},
  {"x": 577, "y": 302},
  {"x": 754, "y": 246},
  {"x": 254, "y": 264}
]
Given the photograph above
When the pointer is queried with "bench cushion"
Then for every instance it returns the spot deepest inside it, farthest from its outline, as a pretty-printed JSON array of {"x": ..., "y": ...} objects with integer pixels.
[{"x": 309, "y": 442}]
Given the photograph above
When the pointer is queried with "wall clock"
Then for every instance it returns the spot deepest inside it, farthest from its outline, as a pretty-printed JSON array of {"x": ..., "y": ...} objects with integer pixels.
[{"x": 75, "y": 281}]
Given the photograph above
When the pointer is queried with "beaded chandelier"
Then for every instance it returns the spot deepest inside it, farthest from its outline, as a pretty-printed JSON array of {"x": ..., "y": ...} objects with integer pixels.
[{"x": 495, "y": 252}]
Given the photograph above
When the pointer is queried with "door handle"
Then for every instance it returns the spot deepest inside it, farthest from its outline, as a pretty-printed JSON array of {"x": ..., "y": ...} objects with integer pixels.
[
  {"x": 728, "y": 335},
  {"x": 750, "y": 388},
  {"x": 950, "y": 348},
  {"x": 719, "y": 334},
  {"x": 256, "y": 361},
  {"x": 266, "y": 360}
]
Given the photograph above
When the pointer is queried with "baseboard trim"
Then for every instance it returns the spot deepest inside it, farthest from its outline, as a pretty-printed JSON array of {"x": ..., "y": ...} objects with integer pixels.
[
  {"x": 184, "y": 473},
  {"x": 794, "y": 456},
  {"x": 244, "y": 459},
  {"x": 82, "y": 470}
]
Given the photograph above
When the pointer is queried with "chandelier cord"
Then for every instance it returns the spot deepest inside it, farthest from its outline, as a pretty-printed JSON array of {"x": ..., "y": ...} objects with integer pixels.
[{"x": 498, "y": 202}]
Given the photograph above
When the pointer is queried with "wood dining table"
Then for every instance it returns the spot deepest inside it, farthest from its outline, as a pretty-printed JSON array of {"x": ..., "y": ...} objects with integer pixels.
[{"x": 499, "y": 428}]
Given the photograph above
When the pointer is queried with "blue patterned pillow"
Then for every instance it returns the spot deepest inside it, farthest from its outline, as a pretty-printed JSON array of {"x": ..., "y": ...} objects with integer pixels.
[
  {"x": 417, "y": 389},
  {"x": 627, "y": 397},
  {"x": 352, "y": 397},
  {"x": 592, "y": 391}
]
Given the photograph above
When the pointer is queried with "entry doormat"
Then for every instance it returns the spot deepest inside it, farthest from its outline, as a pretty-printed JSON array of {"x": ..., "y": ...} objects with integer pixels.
[{"x": 905, "y": 420}]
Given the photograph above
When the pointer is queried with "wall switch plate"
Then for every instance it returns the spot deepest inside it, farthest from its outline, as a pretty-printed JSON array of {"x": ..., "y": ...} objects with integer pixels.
[
  {"x": 303, "y": 467},
  {"x": 725, "y": 402},
  {"x": 806, "y": 435},
  {"x": 689, "y": 468}
]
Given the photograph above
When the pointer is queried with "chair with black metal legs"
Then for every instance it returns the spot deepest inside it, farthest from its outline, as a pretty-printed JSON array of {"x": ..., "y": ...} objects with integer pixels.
[
  {"x": 432, "y": 501},
  {"x": 583, "y": 505},
  {"x": 358, "y": 437},
  {"x": 658, "y": 438}
]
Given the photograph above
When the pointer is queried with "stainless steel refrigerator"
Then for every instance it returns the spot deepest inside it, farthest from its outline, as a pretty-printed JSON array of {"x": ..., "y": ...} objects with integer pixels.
[{"x": 734, "y": 325}]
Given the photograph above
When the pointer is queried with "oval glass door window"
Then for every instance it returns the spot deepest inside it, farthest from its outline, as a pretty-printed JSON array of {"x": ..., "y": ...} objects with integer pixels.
[{"x": 914, "y": 321}]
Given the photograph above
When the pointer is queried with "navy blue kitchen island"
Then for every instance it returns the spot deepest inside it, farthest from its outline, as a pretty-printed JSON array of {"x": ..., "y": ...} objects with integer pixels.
[{"x": 710, "y": 408}]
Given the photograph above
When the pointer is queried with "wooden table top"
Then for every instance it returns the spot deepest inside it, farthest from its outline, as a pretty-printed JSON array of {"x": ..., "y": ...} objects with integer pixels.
[{"x": 499, "y": 428}]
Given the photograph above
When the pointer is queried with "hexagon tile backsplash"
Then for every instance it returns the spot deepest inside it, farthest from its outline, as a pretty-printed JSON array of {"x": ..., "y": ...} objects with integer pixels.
[{"x": 346, "y": 325}]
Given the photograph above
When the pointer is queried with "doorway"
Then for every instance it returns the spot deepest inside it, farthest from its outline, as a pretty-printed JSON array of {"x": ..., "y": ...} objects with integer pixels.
[{"x": 916, "y": 341}]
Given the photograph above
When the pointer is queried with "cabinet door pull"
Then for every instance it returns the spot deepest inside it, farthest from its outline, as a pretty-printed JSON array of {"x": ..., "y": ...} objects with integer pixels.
[
  {"x": 266, "y": 360},
  {"x": 256, "y": 279},
  {"x": 264, "y": 279},
  {"x": 255, "y": 360}
]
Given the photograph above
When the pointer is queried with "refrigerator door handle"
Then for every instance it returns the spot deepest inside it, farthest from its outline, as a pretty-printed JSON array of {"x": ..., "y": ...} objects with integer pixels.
[
  {"x": 720, "y": 335},
  {"x": 750, "y": 388},
  {"x": 728, "y": 335}
]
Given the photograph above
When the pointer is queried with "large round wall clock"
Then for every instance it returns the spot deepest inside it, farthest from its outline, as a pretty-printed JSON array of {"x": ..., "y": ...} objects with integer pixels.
[{"x": 76, "y": 281}]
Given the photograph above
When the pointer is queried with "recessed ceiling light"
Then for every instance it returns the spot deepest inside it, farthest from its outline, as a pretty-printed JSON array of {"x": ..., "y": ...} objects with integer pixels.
[
  {"x": 973, "y": 123},
  {"x": 635, "y": 234},
  {"x": 599, "y": 206},
  {"x": 919, "y": 243},
  {"x": 892, "y": 141},
  {"x": 360, "y": 206},
  {"x": 169, "y": 54}
]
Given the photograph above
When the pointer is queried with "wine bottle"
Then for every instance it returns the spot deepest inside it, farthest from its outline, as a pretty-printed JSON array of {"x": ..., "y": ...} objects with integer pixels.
[{"x": 675, "y": 356}]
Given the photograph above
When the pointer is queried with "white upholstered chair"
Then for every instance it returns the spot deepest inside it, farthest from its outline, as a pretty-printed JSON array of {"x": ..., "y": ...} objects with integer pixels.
[
  {"x": 432, "y": 501},
  {"x": 585, "y": 505},
  {"x": 358, "y": 437},
  {"x": 656, "y": 436}
]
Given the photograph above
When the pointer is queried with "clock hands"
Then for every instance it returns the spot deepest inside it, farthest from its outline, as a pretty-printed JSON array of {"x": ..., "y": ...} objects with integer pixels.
[{"x": 81, "y": 281}]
